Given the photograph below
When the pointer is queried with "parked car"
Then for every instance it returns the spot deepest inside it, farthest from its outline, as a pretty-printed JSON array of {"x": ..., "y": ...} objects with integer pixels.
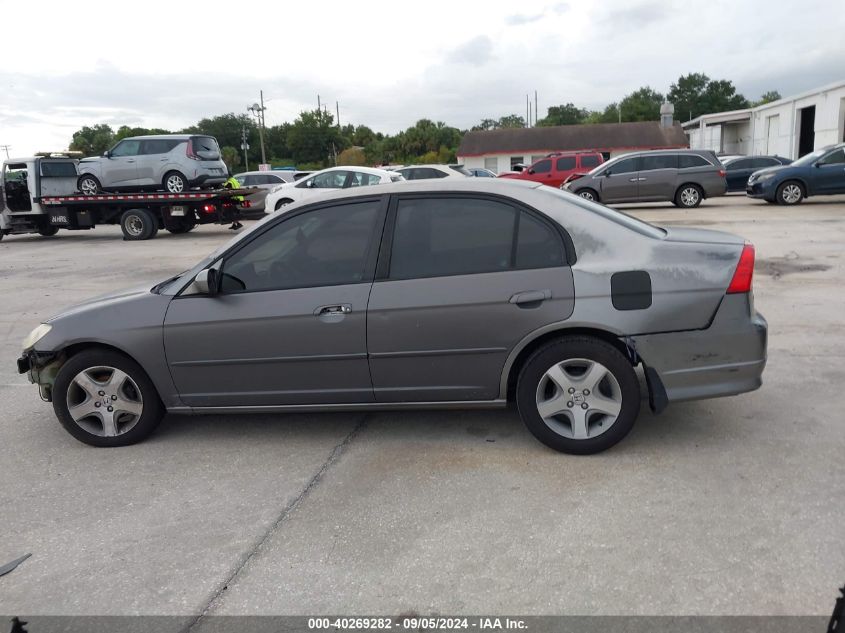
[
  {"x": 554, "y": 169},
  {"x": 442, "y": 293},
  {"x": 683, "y": 177},
  {"x": 425, "y": 172},
  {"x": 166, "y": 162},
  {"x": 739, "y": 169},
  {"x": 265, "y": 181},
  {"x": 819, "y": 173},
  {"x": 480, "y": 172},
  {"x": 724, "y": 158},
  {"x": 327, "y": 180}
]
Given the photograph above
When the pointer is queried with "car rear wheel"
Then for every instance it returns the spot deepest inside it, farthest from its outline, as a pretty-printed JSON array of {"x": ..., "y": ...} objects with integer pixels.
[
  {"x": 688, "y": 196},
  {"x": 174, "y": 182},
  {"x": 589, "y": 194},
  {"x": 578, "y": 395},
  {"x": 790, "y": 192},
  {"x": 138, "y": 224},
  {"x": 88, "y": 185},
  {"x": 282, "y": 203},
  {"x": 103, "y": 398}
]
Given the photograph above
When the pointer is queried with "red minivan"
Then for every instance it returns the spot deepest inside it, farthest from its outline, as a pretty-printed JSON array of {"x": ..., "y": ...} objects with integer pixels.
[{"x": 555, "y": 168}]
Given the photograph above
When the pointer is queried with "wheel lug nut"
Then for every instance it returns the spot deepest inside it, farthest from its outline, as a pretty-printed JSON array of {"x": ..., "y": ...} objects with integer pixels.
[
  {"x": 572, "y": 390},
  {"x": 569, "y": 404},
  {"x": 586, "y": 392},
  {"x": 110, "y": 409},
  {"x": 114, "y": 397},
  {"x": 583, "y": 406},
  {"x": 96, "y": 404},
  {"x": 102, "y": 393}
]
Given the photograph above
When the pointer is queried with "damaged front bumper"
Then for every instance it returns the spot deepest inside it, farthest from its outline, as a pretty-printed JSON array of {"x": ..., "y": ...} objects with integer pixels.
[{"x": 41, "y": 369}]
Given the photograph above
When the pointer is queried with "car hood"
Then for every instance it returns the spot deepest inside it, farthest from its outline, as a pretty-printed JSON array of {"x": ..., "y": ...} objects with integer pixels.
[
  {"x": 116, "y": 298},
  {"x": 701, "y": 236},
  {"x": 90, "y": 159},
  {"x": 771, "y": 170}
]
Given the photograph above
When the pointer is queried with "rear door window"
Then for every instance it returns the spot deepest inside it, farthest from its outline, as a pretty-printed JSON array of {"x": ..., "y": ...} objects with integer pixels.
[
  {"x": 658, "y": 161},
  {"x": 565, "y": 163}
]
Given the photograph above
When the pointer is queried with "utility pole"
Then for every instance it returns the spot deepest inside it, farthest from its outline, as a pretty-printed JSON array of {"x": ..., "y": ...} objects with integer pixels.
[
  {"x": 536, "y": 110},
  {"x": 244, "y": 147},
  {"x": 337, "y": 105},
  {"x": 6, "y": 148},
  {"x": 527, "y": 113},
  {"x": 258, "y": 111},
  {"x": 319, "y": 107}
]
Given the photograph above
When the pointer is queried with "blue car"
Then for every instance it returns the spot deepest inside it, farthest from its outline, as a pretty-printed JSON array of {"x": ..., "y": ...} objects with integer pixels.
[{"x": 819, "y": 173}]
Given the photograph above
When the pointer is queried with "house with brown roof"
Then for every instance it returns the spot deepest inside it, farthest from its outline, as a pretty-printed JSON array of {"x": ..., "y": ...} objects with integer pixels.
[{"x": 499, "y": 150}]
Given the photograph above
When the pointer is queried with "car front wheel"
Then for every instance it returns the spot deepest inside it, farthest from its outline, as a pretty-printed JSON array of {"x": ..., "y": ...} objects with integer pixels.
[
  {"x": 88, "y": 185},
  {"x": 589, "y": 194},
  {"x": 103, "y": 398},
  {"x": 578, "y": 395},
  {"x": 789, "y": 193},
  {"x": 282, "y": 203}
]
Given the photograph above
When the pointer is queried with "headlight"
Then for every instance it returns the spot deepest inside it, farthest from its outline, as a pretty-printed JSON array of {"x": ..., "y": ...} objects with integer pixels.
[
  {"x": 764, "y": 177},
  {"x": 36, "y": 335}
]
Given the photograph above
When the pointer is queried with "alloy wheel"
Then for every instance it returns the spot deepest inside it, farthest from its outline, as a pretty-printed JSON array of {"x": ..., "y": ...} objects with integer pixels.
[
  {"x": 104, "y": 401},
  {"x": 175, "y": 183},
  {"x": 791, "y": 193},
  {"x": 690, "y": 197},
  {"x": 579, "y": 398}
]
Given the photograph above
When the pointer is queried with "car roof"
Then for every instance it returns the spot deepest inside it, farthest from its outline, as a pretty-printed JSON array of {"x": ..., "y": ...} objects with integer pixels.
[
  {"x": 367, "y": 170},
  {"x": 175, "y": 137},
  {"x": 435, "y": 165},
  {"x": 266, "y": 171}
]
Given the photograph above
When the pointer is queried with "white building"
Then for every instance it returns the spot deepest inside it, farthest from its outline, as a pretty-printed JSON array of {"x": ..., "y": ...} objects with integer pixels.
[
  {"x": 789, "y": 127},
  {"x": 500, "y": 150}
]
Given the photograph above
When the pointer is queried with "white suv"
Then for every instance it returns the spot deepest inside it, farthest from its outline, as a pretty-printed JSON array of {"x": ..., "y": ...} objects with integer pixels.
[
  {"x": 168, "y": 162},
  {"x": 327, "y": 180}
]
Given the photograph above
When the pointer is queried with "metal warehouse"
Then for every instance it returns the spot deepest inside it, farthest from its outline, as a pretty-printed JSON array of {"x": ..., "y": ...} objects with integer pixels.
[{"x": 789, "y": 127}]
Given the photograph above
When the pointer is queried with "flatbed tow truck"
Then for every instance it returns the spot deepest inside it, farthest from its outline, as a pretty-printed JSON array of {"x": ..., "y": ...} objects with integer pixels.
[{"x": 39, "y": 195}]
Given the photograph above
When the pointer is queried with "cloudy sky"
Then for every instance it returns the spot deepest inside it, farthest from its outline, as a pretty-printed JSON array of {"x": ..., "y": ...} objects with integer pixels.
[{"x": 169, "y": 63}]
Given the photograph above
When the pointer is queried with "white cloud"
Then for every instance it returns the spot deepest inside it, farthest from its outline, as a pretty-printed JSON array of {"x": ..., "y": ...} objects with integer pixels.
[{"x": 388, "y": 64}]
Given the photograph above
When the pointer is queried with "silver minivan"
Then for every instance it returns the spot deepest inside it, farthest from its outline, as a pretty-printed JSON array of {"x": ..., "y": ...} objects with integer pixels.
[
  {"x": 167, "y": 162},
  {"x": 682, "y": 177}
]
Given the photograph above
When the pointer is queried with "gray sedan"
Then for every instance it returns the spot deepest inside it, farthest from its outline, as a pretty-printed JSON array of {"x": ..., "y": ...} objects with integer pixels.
[{"x": 436, "y": 294}]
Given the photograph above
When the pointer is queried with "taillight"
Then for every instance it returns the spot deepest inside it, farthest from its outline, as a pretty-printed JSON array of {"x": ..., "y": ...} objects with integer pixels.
[
  {"x": 189, "y": 150},
  {"x": 723, "y": 173},
  {"x": 741, "y": 281},
  {"x": 209, "y": 208}
]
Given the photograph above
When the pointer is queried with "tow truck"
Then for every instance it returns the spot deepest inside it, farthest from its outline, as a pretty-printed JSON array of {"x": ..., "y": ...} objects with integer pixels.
[{"x": 39, "y": 195}]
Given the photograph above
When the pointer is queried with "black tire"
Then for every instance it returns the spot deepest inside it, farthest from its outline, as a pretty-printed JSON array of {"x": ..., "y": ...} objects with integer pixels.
[
  {"x": 574, "y": 348},
  {"x": 48, "y": 230},
  {"x": 138, "y": 427},
  {"x": 688, "y": 196},
  {"x": 589, "y": 194},
  {"x": 138, "y": 224},
  {"x": 177, "y": 226},
  {"x": 88, "y": 185},
  {"x": 174, "y": 182},
  {"x": 281, "y": 203},
  {"x": 790, "y": 192}
]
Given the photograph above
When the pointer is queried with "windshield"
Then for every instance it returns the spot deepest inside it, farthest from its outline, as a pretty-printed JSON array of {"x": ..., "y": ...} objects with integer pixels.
[
  {"x": 606, "y": 164},
  {"x": 812, "y": 157}
]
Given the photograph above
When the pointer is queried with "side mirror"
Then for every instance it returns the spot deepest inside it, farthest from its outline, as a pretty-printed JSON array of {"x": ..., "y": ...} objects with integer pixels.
[
  {"x": 107, "y": 154},
  {"x": 309, "y": 184},
  {"x": 530, "y": 171},
  {"x": 208, "y": 281},
  {"x": 817, "y": 165}
]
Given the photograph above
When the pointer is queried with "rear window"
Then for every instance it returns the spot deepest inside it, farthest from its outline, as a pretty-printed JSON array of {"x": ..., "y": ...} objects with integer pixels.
[
  {"x": 614, "y": 215},
  {"x": 691, "y": 160},
  {"x": 590, "y": 160},
  {"x": 460, "y": 169},
  {"x": 58, "y": 170},
  {"x": 565, "y": 163},
  {"x": 205, "y": 144}
]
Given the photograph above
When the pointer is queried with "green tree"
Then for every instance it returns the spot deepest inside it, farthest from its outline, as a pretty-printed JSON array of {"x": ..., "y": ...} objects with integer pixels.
[
  {"x": 93, "y": 140},
  {"x": 231, "y": 157},
  {"x": 641, "y": 105},
  {"x": 276, "y": 141},
  {"x": 767, "y": 97},
  {"x": 352, "y": 156},
  {"x": 510, "y": 120},
  {"x": 566, "y": 114},
  {"x": 124, "y": 131},
  {"x": 314, "y": 138},
  {"x": 696, "y": 94}
]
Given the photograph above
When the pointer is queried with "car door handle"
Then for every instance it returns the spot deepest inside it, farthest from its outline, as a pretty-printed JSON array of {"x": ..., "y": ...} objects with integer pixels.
[
  {"x": 633, "y": 179},
  {"x": 531, "y": 296},
  {"x": 641, "y": 179},
  {"x": 343, "y": 308},
  {"x": 130, "y": 160}
]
